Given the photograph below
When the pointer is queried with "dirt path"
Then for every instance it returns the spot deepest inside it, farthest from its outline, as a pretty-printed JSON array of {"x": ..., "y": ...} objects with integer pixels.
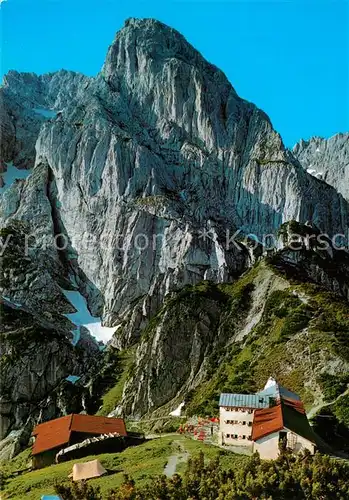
[
  {"x": 315, "y": 409},
  {"x": 175, "y": 459}
]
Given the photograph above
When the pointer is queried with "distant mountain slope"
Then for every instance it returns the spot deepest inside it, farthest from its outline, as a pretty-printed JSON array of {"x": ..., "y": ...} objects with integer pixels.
[
  {"x": 211, "y": 338},
  {"x": 330, "y": 157}
]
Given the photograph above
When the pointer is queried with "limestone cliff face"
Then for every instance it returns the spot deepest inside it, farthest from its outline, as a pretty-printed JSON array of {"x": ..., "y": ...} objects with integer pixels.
[
  {"x": 23, "y": 98},
  {"x": 36, "y": 351},
  {"x": 155, "y": 151},
  {"x": 328, "y": 157},
  {"x": 36, "y": 359}
]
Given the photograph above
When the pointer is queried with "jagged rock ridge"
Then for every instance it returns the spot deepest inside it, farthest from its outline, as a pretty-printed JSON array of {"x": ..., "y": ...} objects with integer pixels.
[
  {"x": 160, "y": 144},
  {"x": 329, "y": 157}
]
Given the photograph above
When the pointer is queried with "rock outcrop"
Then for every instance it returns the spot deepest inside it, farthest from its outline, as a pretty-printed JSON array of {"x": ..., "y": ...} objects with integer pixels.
[
  {"x": 36, "y": 359},
  {"x": 327, "y": 157},
  {"x": 26, "y": 100},
  {"x": 275, "y": 320},
  {"x": 155, "y": 152}
]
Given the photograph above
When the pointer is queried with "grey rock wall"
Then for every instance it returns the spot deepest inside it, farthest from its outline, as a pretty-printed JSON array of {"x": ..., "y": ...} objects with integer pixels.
[
  {"x": 158, "y": 148},
  {"x": 328, "y": 157}
]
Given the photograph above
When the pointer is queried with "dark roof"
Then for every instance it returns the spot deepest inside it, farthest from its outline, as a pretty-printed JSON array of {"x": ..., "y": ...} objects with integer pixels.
[
  {"x": 56, "y": 433},
  {"x": 287, "y": 413},
  {"x": 244, "y": 400},
  {"x": 296, "y": 420}
]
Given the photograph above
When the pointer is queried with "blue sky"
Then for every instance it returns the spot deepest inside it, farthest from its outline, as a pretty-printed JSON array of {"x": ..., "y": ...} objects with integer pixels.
[{"x": 290, "y": 57}]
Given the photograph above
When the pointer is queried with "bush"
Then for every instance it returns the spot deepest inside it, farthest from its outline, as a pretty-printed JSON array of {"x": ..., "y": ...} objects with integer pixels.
[
  {"x": 333, "y": 385},
  {"x": 331, "y": 430},
  {"x": 78, "y": 491},
  {"x": 294, "y": 477}
]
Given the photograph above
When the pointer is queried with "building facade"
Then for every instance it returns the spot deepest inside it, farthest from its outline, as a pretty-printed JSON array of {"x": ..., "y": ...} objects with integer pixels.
[
  {"x": 265, "y": 422},
  {"x": 236, "y": 412},
  {"x": 268, "y": 446},
  {"x": 284, "y": 425}
]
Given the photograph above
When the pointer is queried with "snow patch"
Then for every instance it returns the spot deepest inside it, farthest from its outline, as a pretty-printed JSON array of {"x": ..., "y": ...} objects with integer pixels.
[
  {"x": 314, "y": 173},
  {"x": 12, "y": 173},
  {"x": 177, "y": 412},
  {"x": 76, "y": 335},
  {"x": 46, "y": 113},
  {"x": 83, "y": 317}
]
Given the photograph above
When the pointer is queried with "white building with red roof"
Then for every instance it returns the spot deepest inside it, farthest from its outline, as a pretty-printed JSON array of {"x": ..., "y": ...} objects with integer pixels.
[{"x": 266, "y": 421}]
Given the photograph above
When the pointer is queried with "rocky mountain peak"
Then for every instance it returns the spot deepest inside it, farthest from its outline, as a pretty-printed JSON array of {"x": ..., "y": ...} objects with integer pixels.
[
  {"x": 156, "y": 41},
  {"x": 165, "y": 79}
]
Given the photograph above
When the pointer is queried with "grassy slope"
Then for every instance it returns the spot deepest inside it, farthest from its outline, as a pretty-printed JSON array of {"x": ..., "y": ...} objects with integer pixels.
[
  {"x": 303, "y": 330},
  {"x": 301, "y": 339},
  {"x": 139, "y": 462},
  {"x": 112, "y": 397}
]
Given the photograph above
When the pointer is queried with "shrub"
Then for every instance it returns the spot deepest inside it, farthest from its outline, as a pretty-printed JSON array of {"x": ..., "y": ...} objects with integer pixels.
[
  {"x": 78, "y": 491},
  {"x": 298, "y": 477}
]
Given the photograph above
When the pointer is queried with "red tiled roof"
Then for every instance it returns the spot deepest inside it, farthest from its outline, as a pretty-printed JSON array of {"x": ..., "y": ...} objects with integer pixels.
[
  {"x": 287, "y": 413},
  {"x": 98, "y": 425},
  {"x": 295, "y": 404},
  {"x": 266, "y": 421},
  {"x": 55, "y": 433},
  {"x": 51, "y": 434}
]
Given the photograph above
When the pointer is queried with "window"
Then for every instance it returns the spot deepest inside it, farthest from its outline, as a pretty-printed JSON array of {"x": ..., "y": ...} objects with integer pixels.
[
  {"x": 244, "y": 437},
  {"x": 250, "y": 424},
  {"x": 244, "y": 423},
  {"x": 283, "y": 440},
  {"x": 227, "y": 435}
]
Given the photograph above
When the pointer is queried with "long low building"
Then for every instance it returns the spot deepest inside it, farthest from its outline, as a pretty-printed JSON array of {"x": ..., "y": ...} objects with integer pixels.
[
  {"x": 265, "y": 421},
  {"x": 54, "y": 435}
]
